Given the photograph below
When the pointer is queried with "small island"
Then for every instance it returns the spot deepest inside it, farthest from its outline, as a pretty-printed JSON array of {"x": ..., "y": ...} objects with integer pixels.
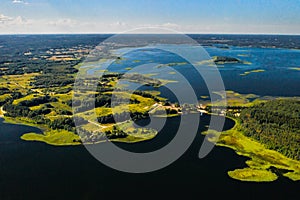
[
  {"x": 252, "y": 71},
  {"x": 220, "y": 60}
]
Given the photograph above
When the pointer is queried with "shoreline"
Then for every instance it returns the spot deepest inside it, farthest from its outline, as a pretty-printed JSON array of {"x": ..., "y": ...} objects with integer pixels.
[
  {"x": 261, "y": 160},
  {"x": 260, "y": 163},
  {"x": 49, "y": 133}
]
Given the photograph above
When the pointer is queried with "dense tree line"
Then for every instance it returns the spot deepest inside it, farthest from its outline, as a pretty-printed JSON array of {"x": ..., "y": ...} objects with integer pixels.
[
  {"x": 37, "y": 101},
  {"x": 52, "y": 80},
  {"x": 276, "y": 124},
  {"x": 121, "y": 117},
  {"x": 16, "y": 95},
  {"x": 23, "y": 111},
  {"x": 4, "y": 90},
  {"x": 102, "y": 100},
  {"x": 15, "y": 61},
  {"x": 67, "y": 123}
]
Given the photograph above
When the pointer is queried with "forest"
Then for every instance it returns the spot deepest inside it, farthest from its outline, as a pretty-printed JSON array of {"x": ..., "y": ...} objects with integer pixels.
[{"x": 276, "y": 124}]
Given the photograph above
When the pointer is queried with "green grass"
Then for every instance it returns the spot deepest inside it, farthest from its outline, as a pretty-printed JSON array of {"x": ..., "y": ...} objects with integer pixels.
[
  {"x": 295, "y": 176},
  {"x": 60, "y": 106},
  {"x": 4, "y": 97},
  {"x": 254, "y": 175},
  {"x": 19, "y": 83},
  {"x": 261, "y": 158},
  {"x": 64, "y": 97},
  {"x": 36, "y": 107},
  {"x": 252, "y": 71},
  {"x": 54, "y": 137}
]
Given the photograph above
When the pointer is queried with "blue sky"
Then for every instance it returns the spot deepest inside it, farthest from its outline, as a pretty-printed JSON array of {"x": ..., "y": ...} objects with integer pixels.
[{"x": 114, "y": 16}]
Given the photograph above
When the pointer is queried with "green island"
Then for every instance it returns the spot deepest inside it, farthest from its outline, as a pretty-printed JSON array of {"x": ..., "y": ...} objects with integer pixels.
[
  {"x": 172, "y": 64},
  {"x": 252, "y": 71},
  {"x": 295, "y": 68},
  {"x": 220, "y": 61},
  {"x": 267, "y": 132}
]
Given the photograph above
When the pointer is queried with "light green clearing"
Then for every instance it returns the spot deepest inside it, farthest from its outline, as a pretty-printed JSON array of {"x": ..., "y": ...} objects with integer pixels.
[
  {"x": 261, "y": 158},
  {"x": 28, "y": 97},
  {"x": 54, "y": 137},
  {"x": 49, "y": 136},
  {"x": 249, "y": 174},
  {"x": 252, "y": 71},
  {"x": 4, "y": 97}
]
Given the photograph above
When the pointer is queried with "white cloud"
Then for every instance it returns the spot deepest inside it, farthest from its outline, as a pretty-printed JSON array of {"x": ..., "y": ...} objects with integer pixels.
[
  {"x": 171, "y": 25},
  {"x": 118, "y": 23},
  {"x": 4, "y": 18},
  {"x": 20, "y": 21},
  {"x": 19, "y": 24},
  {"x": 19, "y": 2},
  {"x": 63, "y": 22}
]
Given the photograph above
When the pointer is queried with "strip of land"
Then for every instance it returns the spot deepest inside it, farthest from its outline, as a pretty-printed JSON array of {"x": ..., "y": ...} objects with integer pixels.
[{"x": 261, "y": 143}]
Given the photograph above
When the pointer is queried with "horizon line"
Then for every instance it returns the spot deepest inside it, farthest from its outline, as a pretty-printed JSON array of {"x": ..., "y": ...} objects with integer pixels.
[{"x": 142, "y": 33}]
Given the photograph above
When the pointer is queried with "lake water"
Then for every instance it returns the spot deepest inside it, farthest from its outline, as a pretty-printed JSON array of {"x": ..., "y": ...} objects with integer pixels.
[{"x": 33, "y": 170}]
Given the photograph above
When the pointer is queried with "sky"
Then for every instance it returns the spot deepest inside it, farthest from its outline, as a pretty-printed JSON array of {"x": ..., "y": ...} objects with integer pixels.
[{"x": 119, "y": 16}]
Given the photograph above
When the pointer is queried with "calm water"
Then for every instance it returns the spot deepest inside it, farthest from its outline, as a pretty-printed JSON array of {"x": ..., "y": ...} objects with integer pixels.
[
  {"x": 40, "y": 171},
  {"x": 278, "y": 79},
  {"x": 32, "y": 170}
]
